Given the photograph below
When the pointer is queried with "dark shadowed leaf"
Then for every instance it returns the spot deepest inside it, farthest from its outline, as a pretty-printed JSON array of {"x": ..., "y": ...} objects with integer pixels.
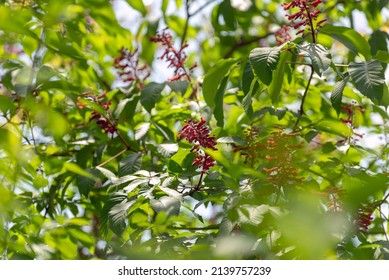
[
  {"x": 150, "y": 95},
  {"x": 169, "y": 205},
  {"x": 264, "y": 62},
  {"x": 337, "y": 93},
  {"x": 319, "y": 55},
  {"x": 278, "y": 78},
  {"x": 130, "y": 164},
  {"x": 368, "y": 77}
]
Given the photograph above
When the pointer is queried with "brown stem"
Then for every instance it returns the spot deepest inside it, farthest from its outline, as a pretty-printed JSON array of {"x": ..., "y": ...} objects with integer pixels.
[
  {"x": 202, "y": 7},
  {"x": 186, "y": 26},
  {"x": 304, "y": 96},
  {"x": 112, "y": 158},
  {"x": 242, "y": 43},
  {"x": 311, "y": 24}
]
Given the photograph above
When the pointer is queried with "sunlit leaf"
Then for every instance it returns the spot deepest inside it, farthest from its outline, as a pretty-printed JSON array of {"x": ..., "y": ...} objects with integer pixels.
[
  {"x": 213, "y": 79},
  {"x": 348, "y": 37}
]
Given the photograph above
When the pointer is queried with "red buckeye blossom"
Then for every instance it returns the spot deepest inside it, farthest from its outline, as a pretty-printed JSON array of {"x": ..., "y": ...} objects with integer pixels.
[
  {"x": 198, "y": 134},
  {"x": 282, "y": 35},
  {"x": 128, "y": 67},
  {"x": 175, "y": 57},
  {"x": 363, "y": 218},
  {"x": 103, "y": 121},
  {"x": 305, "y": 15}
]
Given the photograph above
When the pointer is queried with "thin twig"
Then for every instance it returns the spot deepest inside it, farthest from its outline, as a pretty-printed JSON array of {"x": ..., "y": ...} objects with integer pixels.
[
  {"x": 186, "y": 26},
  {"x": 301, "y": 112},
  {"x": 112, "y": 158},
  {"x": 202, "y": 7},
  {"x": 243, "y": 43}
]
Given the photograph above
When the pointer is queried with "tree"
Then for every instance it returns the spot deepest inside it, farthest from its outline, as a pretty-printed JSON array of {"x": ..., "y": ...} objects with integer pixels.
[{"x": 267, "y": 140}]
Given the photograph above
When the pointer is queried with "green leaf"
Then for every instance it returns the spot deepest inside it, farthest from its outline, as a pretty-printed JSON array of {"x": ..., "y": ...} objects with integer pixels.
[
  {"x": 218, "y": 112},
  {"x": 368, "y": 77},
  {"x": 169, "y": 205},
  {"x": 138, "y": 5},
  {"x": 385, "y": 98},
  {"x": 118, "y": 216},
  {"x": 126, "y": 108},
  {"x": 6, "y": 104},
  {"x": 174, "y": 167},
  {"x": 106, "y": 214},
  {"x": 134, "y": 184},
  {"x": 333, "y": 126},
  {"x": 213, "y": 79},
  {"x": 179, "y": 86},
  {"x": 247, "y": 104},
  {"x": 319, "y": 55},
  {"x": 150, "y": 95},
  {"x": 107, "y": 173},
  {"x": 348, "y": 37},
  {"x": 142, "y": 130},
  {"x": 247, "y": 78},
  {"x": 168, "y": 149},
  {"x": 278, "y": 78},
  {"x": 122, "y": 180},
  {"x": 130, "y": 164},
  {"x": 165, "y": 131},
  {"x": 362, "y": 186},
  {"x": 72, "y": 167},
  {"x": 86, "y": 184},
  {"x": 382, "y": 56},
  {"x": 165, "y": 187},
  {"x": 44, "y": 74},
  {"x": 337, "y": 93},
  {"x": 264, "y": 61}
]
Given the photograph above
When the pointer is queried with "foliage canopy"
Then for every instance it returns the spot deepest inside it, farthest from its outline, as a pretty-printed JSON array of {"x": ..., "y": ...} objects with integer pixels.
[{"x": 219, "y": 129}]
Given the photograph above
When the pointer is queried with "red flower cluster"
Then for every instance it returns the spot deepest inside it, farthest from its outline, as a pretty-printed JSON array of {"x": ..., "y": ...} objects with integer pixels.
[
  {"x": 280, "y": 150},
  {"x": 198, "y": 133},
  {"x": 350, "y": 109},
  {"x": 306, "y": 15},
  {"x": 364, "y": 218},
  {"x": 103, "y": 121},
  {"x": 175, "y": 57},
  {"x": 282, "y": 35},
  {"x": 128, "y": 67}
]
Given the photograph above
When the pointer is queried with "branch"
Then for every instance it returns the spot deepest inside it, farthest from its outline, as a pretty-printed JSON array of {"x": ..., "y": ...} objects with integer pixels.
[
  {"x": 202, "y": 7},
  {"x": 112, "y": 158},
  {"x": 304, "y": 96},
  {"x": 188, "y": 16},
  {"x": 242, "y": 43}
]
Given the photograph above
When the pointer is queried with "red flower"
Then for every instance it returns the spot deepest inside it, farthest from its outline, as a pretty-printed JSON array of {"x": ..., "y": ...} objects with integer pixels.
[
  {"x": 175, "y": 57},
  {"x": 197, "y": 133},
  {"x": 363, "y": 218},
  {"x": 306, "y": 15},
  {"x": 282, "y": 35},
  {"x": 128, "y": 67},
  {"x": 103, "y": 121}
]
